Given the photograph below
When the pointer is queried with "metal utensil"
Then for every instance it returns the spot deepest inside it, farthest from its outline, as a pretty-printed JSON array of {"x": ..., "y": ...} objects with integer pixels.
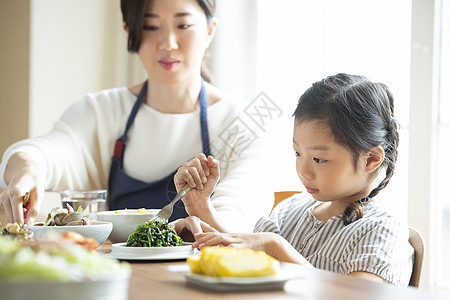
[{"x": 167, "y": 210}]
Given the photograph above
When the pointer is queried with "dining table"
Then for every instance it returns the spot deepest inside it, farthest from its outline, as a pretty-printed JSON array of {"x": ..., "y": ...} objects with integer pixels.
[{"x": 167, "y": 279}]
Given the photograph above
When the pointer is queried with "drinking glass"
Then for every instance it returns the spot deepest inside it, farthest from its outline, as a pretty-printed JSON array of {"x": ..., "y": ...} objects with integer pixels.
[{"x": 90, "y": 201}]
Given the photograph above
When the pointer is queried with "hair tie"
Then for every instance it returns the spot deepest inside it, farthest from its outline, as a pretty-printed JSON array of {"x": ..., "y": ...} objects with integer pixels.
[{"x": 363, "y": 200}]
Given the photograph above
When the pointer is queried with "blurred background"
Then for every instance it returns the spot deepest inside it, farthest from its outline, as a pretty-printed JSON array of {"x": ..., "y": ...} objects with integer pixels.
[{"x": 54, "y": 52}]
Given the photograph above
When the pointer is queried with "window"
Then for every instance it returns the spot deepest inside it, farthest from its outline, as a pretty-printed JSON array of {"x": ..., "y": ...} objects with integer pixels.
[{"x": 443, "y": 140}]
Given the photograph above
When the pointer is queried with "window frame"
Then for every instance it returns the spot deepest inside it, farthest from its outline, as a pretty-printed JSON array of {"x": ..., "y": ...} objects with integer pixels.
[{"x": 423, "y": 132}]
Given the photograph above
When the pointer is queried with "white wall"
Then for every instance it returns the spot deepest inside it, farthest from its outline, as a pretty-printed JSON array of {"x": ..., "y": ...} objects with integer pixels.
[{"x": 77, "y": 46}]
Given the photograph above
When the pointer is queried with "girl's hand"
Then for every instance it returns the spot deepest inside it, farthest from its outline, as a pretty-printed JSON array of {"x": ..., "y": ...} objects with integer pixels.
[
  {"x": 202, "y": 174},
  {"x": 256, "y": 241},
  {"x": 24, "y": 192},
  {"x": 190, "y": 226},
  {"x": 271, "y": 243}
]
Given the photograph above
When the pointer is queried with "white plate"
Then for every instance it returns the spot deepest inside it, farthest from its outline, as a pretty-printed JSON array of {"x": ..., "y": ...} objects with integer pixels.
[
  {"x": 233, "y": 284},
  {"x": 120, "y": 251}
]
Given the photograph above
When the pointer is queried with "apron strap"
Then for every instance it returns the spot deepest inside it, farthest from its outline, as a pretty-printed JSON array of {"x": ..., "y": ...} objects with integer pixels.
[
  {"x": 120, "y": 143},
  {"x": 133, "y": 114}
]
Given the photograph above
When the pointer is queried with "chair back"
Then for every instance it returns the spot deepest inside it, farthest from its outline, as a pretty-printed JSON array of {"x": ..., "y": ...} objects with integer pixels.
[
  {"x": 417, "y": 242},
  {"x": 280, "y": 196}
]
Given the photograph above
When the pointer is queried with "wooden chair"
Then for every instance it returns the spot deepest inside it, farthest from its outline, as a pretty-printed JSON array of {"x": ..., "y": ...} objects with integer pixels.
[
  {"x": 280, "y": 196},
  {"x": 417, "y": 242}
]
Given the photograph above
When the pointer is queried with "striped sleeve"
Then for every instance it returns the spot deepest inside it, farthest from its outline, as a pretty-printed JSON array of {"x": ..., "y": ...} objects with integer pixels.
[{"x": 383, "y": 250}]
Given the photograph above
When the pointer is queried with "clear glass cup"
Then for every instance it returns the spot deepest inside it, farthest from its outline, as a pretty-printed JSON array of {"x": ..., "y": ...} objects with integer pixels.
[{"x": 90, "y": 201}]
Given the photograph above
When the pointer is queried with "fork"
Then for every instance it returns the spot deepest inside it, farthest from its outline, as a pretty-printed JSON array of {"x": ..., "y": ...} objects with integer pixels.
[{"x": 167, "y": 210}]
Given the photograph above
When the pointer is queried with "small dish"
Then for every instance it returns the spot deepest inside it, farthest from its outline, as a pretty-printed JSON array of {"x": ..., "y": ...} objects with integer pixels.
[
  {"x": 98, "y": 230},
  {"x": 120, "y": 251},
  {"x": 235, "y": 284}
]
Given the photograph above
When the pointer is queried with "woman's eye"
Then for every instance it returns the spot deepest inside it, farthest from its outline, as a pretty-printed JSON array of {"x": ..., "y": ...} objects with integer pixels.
[
  {"x": 150, "y": 27},
  {"x": 319, "y": 161},
  {"x": 296, "y": 153}
]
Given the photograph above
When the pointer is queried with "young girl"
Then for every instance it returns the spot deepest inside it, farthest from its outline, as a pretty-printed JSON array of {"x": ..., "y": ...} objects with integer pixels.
[{"x": 345, "y": 134}]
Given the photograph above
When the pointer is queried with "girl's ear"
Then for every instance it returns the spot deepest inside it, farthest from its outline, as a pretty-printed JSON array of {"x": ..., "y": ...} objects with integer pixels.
[
  {"x": 374, "y": 159},
  {"x": 124, "y": 26}
]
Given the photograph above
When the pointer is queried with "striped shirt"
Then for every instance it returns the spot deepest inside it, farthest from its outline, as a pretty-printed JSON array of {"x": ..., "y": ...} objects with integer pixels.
[{"x": 376, "y": 243}]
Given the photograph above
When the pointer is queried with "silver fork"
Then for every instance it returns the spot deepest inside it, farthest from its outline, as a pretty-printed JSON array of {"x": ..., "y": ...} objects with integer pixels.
[{"x": 167, "y": 210}]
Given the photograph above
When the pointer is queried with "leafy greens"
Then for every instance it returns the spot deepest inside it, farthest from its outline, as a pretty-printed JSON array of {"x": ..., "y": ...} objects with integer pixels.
[{"x": 154, "y": 234}]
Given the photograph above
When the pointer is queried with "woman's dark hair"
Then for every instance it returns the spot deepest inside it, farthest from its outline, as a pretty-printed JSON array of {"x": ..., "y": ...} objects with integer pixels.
[
  {"x": 133, "y": 16},
  {"x": 360, "y": 114}
]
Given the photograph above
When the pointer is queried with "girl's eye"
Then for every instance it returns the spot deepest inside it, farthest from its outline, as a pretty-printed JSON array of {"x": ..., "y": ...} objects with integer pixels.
[
  {"x": 150, "y": 27},
  {"x": 184, "y": 26},
  {"x": 319, "y": 161},
  {"x": 296, "y": 153}
]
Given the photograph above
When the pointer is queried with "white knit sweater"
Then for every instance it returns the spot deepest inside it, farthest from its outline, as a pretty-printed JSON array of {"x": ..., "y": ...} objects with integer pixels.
[{"x": 76, "y": 153}]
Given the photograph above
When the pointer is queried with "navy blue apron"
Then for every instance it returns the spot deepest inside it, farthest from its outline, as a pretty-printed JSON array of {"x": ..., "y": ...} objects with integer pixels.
[{"x": 128, "y": 192}]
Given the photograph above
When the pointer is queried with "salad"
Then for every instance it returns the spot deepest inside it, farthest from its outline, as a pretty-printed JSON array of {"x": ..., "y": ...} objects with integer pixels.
[{"x": 54, "y": 259}]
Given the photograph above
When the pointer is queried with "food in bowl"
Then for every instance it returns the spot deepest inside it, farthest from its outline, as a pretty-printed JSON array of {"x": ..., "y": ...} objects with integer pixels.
[
  {"x": 16, "y": 231},
  {"x": 154, "y": 234},
  {"x": 233, "y": 262},
  {"x": 125, "y": 211},
  {"x": 86, "y": 242},
  {"x": 65, "y": 217},
  {"x": 54, "y": 259},
  {"x": 125, "y": 221},
  {"x": 56, "y": 268}
]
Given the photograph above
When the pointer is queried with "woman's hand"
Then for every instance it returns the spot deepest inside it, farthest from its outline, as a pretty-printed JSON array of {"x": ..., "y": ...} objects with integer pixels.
[
  {"x": 187, "y": 228},
  {"x": 25, "y": 190},
  {"x": 202, "y": 174}
]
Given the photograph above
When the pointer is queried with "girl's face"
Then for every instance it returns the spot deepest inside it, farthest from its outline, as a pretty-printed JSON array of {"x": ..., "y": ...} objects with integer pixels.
[
  {"x": 325, "y": 168},
  {"x": 174, "y": 38}
]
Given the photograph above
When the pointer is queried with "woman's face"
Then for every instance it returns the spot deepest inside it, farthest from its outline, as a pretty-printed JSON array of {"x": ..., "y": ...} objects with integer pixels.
[
  {"x": 326, "y": 168},
  {"x": 174, "y": 38}
]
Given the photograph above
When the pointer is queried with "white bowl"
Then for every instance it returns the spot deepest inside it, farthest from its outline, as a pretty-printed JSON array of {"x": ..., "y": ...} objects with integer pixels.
[
  {"x": 98, "y": 230},
  {"x": 125, "y": 224},
  {"x": 115, "y": 288}
]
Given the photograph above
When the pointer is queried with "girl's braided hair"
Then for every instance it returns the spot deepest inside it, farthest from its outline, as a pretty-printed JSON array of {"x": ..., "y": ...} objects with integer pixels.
[{"x": 360, "y": 114}]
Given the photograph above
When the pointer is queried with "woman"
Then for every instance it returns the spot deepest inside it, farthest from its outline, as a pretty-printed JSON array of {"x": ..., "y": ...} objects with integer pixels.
[{"x": 176, "y": 115}]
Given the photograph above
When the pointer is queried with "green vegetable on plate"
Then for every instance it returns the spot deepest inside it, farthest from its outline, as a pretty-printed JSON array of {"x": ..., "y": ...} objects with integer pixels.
[{"x": 154, "y": 234}]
